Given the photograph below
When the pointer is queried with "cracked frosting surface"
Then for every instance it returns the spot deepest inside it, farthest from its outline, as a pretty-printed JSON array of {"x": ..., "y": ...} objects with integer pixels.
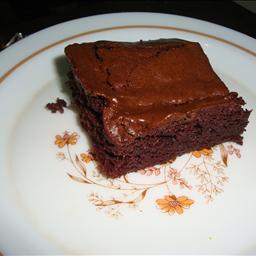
[{"x": 145, "y": 83}]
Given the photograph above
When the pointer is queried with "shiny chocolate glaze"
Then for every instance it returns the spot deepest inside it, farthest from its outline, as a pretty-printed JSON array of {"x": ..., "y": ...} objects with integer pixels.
[{"x": 145, "y": 84}]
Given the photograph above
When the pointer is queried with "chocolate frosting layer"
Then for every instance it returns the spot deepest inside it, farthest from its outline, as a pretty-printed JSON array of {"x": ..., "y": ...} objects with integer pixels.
[{"x": 145, "y": 84}]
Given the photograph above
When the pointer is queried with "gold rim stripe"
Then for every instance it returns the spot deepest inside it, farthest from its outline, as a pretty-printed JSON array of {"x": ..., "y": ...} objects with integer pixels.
[{"x": 10, "y": 71}]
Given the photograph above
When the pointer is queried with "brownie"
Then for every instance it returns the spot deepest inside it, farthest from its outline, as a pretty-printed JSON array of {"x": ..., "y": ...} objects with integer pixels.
[{"x": 147, "y": 102}]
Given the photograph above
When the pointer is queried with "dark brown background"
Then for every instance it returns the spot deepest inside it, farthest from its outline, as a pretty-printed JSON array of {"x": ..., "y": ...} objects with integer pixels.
[{"x": 26, "y": 17}]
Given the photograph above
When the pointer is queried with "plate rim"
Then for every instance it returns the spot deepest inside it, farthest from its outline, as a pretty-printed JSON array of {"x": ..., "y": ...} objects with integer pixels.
[{"x": 144, "y": 24}]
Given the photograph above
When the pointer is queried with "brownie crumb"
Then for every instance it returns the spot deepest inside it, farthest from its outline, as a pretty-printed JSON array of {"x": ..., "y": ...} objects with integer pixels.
[{"x": 58, "y": 106}]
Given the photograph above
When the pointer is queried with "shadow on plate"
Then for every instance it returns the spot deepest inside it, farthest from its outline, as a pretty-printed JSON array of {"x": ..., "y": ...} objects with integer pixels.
[{"x": 62, "y": 69}]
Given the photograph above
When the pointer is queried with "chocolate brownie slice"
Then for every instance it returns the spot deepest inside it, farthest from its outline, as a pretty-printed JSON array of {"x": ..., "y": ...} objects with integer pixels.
[{"x": 145, "y": 103}]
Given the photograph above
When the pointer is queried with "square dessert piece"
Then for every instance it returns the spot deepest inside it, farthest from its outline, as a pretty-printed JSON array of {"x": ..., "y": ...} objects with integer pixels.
[{"x": 148, "y": 102}]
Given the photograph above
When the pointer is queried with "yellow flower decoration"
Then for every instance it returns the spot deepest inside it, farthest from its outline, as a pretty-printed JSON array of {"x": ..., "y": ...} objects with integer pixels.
[
  {"x": 87, "y": 158},
  {"x": 205, "y": 152},
  {"x": 172, "y": 204},
  {"x": 66, "y": 139}
]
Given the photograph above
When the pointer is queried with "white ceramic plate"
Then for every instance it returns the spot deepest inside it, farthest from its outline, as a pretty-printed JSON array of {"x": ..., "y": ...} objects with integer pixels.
[{"x": 43, "y": 210}]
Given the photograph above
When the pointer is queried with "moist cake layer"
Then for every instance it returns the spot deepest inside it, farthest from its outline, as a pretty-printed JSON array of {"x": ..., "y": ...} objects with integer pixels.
[{"x": 148, "y": 102}]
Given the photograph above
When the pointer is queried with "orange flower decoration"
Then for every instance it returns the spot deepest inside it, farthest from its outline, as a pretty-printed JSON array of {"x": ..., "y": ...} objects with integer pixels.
[
  {"x": 87, "y": 158},
  {"x": 205, "y": 152},
  {"x": 66, "y": 139},
  {"x": 172, "y": 204}
]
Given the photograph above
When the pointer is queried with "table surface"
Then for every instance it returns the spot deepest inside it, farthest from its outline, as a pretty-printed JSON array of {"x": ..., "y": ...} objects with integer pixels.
[{"x": 28, "y": 17}]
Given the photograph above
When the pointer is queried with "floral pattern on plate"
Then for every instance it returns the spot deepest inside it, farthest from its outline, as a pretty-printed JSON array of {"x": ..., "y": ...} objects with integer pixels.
[{"x": 206, "y": 166}]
